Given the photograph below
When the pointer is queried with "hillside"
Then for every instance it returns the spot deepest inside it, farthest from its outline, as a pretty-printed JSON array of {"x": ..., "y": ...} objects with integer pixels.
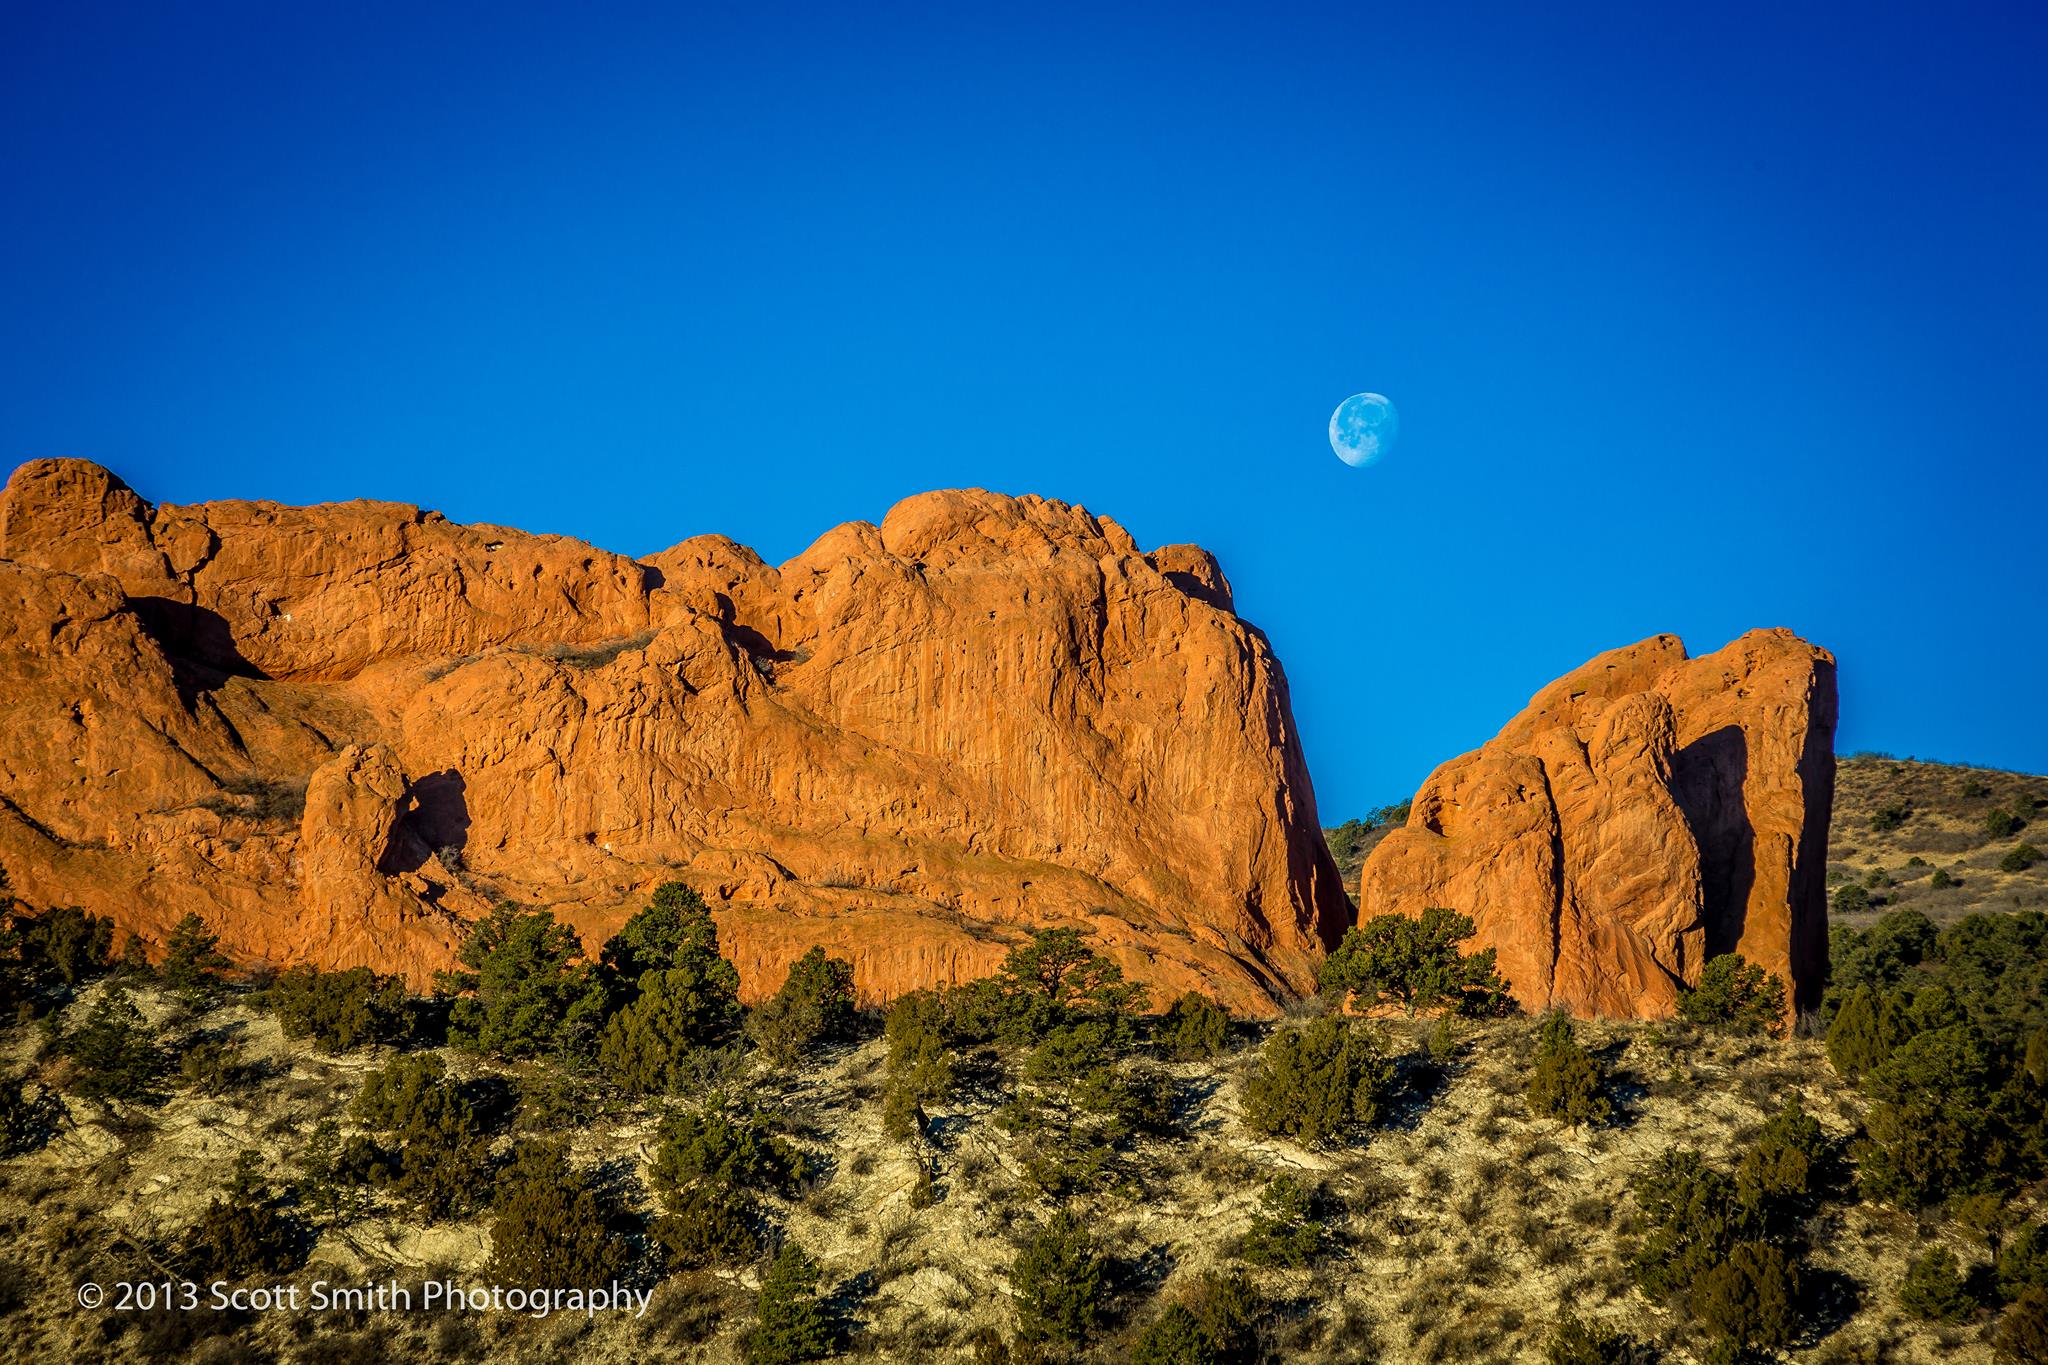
[
  {"x": 1900, "y": 822},
  {"x": 1460, "y": 1224},
  {"x": 1352, "y": 842}
]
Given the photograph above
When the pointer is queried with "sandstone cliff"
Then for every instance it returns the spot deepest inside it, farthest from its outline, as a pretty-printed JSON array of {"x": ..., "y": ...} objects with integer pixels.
[
  {"x": 1644, "y": 813},
  {"x": 338, "y": 732}
]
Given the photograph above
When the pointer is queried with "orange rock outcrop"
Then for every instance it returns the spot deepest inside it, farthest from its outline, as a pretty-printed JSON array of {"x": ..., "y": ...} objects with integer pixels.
[
  {"x": 340, "y": 732},
  {"x": 1644, "y": 813}
]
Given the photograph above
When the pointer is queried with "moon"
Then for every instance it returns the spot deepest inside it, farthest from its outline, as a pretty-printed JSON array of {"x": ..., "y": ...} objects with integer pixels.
[{"x": 1363, "y": 428}]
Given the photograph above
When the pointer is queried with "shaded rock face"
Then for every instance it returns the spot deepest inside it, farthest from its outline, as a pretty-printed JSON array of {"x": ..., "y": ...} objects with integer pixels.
[
  {"x": 1644, "y": 813},
  {"x": 340, "y": 732}
]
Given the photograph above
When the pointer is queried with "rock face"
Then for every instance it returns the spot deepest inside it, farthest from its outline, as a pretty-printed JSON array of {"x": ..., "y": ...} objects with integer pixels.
[
  {"x": 1644, "y": 813},
  {"x": 340, "y": 732}
]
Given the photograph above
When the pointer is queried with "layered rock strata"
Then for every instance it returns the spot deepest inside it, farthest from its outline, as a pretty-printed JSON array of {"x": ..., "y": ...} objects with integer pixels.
[{"x": 340, "y": 732}]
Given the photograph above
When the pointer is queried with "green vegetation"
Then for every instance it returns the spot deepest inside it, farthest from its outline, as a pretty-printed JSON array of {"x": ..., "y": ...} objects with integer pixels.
[
  {"x": 1081, "y": 1099},
  {"x": 1575, "y": 1342},
  {"x": 341, "y": 1011},
  {"x": 1882, "y": 954},
  {"x": 1783, "y": 1174},
  {"x": 1175, "y": 1337},
  {"x": 708, "y": 1224},
  {"x": 132, "y": 963},
  {"x": 333, "y": 1173},
  {"x": 1031, "y": 1112},
  {"x": 813, "y": 1008},
  {"x": 1415, "y": 963},
  {"x": 1193, "y": 1030},
  {"x": 432, "y": 1151},
  {"x": 27, "y": 1121},
  {"x": 1350, "y": 841},
  {"x": 525, "y": 993},
  {"x": 63, "y": 946},
  {"x": 1071, "y": 1008},
  {"x": 1567, "y": 1084},
  {"x": 1961, "y": 853},
  {"x": 920, "y": 1031},
  {"x": 1054, "y": 980},
  {"x": 115, "y": 1054},
  {"x": 683, "y": 1002},
  {"x": 650, "y": 940},
  {"x": 1060, "y": 1283},
  {"x": 710, "y": 1165},
  {"x": 1996, "y": 966},
  {"x": 1746, "y": 1301},
  {"x": 1077, "y": 1107},
  {"x": 46, "y": 957},
  {"x": 1319, "y": 1084},
  {"x": 1869, "y": 1026},
  {"x": 193, "y": 964},
  {"x": 726, "y": 1143},
  {"x": 791, "y": 1323},
  {"x": 2022, "y": 1262},
  {"x": 1724, "y": 1250},
  {"x": 2021, "y": 1337},
  {"x": 552, "y": 1224},
  {"x": 1693, "y": 1220},
  {"x": 1703, "y": 1256},
  {"x": 1215, "y": 1322},
  {"x": 1934, "y": 1288},
  {"x": 650, "y": 1046},
  {"x": 1285, "y": 1231},
  {"x": 212, "y": 1066},
  {"x": 1937, "y": 1029},
  {"x": 1737, "y": 995},
  {"x": 1932, "y": 1133},
  {"x": 245, "y": 1232}
]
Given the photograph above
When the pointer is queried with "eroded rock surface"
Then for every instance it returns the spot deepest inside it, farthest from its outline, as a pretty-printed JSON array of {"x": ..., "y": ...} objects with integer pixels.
[
  {"x": 1644, "y": 813},
  {"x": 339, "y": 732}
]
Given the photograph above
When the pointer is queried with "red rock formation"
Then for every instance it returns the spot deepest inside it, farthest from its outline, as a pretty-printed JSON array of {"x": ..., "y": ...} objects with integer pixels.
[
  {"x": 1644, "y": 813},
  {"x": 909, "y": 743}
]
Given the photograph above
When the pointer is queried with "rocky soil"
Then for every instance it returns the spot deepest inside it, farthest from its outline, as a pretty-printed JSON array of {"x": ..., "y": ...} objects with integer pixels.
[{"x": 1463, "y": 1226}]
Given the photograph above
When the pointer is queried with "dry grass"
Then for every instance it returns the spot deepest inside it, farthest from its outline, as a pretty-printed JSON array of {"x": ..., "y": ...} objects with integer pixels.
[
  {"x": 1944, "y": 808},
  {"x": 1459, "y": 1238}
]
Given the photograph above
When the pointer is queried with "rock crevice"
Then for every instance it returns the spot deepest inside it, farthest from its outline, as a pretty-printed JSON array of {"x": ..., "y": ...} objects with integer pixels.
[
  {"x": 1642, "y": 814},
  {"x": 910, "y": 743}
]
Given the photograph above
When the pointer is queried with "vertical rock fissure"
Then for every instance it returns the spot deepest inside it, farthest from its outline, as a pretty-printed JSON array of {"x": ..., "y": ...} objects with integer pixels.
[{"x": 1652, "y": 867}]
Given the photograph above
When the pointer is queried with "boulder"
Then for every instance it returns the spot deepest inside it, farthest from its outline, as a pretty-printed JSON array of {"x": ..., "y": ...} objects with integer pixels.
[{"x": 1644, "y": 813}]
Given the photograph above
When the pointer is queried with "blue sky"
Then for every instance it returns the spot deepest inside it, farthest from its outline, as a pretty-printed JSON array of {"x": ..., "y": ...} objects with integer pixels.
[{"x": 1698, "y": 320}]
